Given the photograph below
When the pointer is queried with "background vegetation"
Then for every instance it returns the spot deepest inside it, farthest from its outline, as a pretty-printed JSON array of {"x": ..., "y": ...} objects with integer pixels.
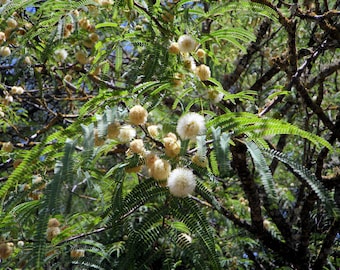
[{"x": 76, "y": 194}]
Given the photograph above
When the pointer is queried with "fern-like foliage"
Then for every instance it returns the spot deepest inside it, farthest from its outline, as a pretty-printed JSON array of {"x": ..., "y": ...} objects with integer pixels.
[
  {"x": 266, "y": 175},
  {"x": 256, "y": 127},
  {"x": 309, "y": 179}
]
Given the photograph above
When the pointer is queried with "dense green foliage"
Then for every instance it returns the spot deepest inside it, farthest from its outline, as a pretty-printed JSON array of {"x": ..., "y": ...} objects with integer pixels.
[{"x": 169, "y": 134}]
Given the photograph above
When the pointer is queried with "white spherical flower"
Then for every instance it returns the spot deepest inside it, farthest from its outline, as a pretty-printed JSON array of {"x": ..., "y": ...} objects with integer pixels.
[
  {"x": 126, "y": 133},
  {"x": 186, "y": 43},
  {"x": 190, "y": 125},
  {"x": 181, "y": 182},
  {"x": 60, "y": 55}
]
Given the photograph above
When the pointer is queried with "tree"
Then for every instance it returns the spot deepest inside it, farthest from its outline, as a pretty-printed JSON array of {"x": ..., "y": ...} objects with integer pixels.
[{"x": 169, "y": 134}]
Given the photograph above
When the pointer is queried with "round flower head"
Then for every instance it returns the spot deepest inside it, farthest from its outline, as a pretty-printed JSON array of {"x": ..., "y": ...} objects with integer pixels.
[
  {"x": 190, "y": 125},
  {"x": 60, "y": 55},
  {"x": 203, "y": 72},
  {"x": 181, "y": 182},
  {"x": 53, "y": 222},
  {"x": 137, "y": 146},
  {"x": 172, "y": 145},
  {"x": 173, "y": 48},
  {"x": 153, "y": 130},
  {"x": 138, "y": 115},
  {"x": 5, "y": 51},
  {"x": 6, "y": 249},
  {"x": 160, "y": 169},
  {"x": 52, "y": 232},
  {"x": 186, "y": 43},
  {"x": 126, "y": 133},
  {"x": 200, "y": 53}
]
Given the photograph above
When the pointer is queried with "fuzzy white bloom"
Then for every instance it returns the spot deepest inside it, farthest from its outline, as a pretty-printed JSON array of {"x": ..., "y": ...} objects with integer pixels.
[
  {"x": 186, "y": 43},
  {"x": 126, "y": 133},
  {"x": 190, "y": 125},
  {"x": 60, "y": 55},
  {"x": 181, "y": 182},
  {"x": 203, "y": 72}
]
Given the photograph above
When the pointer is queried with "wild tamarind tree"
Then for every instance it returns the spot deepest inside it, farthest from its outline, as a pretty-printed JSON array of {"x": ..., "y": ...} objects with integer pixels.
[{"x": 169, "y": 134}]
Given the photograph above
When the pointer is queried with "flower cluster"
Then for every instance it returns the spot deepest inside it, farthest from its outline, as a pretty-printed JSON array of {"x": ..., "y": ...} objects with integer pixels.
[{"x": 52, "y": 228}]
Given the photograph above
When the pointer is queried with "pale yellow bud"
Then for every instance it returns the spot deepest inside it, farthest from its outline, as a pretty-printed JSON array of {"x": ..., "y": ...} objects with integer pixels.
[
  {"x": 81, "y": 57},
  {"x": 113, "y": 130},
  {"x": 200, "y": 53},
  {"x": 137, "y": 146},
  {"x": 173, "y": 48},
  {"x": 160, "y": 169},
  {"x": 6, "y": 250},
  {"x": 52, "y": 232},
  {"x": 77, "y": 253},
  {"x": 11, "y": 23},
  {"x": 153, "y": 131},
  {"x": 203, "y": 72},
  {"x": 7, "y": 147},
  {"x": 53, "y": 222},
  {"x": 138, "y": 115},
  {"x": 199, "y": 161},
  {"x": 5, "y": 51},
  {"x": 2, "y": 37}
]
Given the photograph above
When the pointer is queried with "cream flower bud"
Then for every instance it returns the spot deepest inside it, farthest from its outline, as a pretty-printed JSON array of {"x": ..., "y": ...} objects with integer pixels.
[
  {"x": 77, "y": 253},
  {"x": 2, "y": 37},
  {"x": 172, "y": 145},
  {"x": 153, "y": 131},
  {"x": 200, "y": 161},
  {"x": 5, "y": 51},
  {"x": 11, "y": 23},
  {"x": 173, "y": 48},
  {"x": 138, "y": 115},
  {"x": 203, "y": 72},
  {"x": 52, "y": 232},
  {"x": 7, "y": 147},
  {"x": 186, "y": 43},
  {"x": 160, "y": 169},
  {"x": 190, "y": 125},
  {"x": 17, "y": 90},
  {"x": 81, "y": 57},
  {"x": 113, "y": 130},
  {"x": 189, "y": 63},
  {"x": 53, "y": 222},
  {"x": 181, "y": 182},
  {"x": 137, "y": 146},
  {"x": 200, "y": 53},
  {"x": 6, "y": 249},
  {"x": 60, "y": 55},
  {"x": 126, "y": 133}
]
